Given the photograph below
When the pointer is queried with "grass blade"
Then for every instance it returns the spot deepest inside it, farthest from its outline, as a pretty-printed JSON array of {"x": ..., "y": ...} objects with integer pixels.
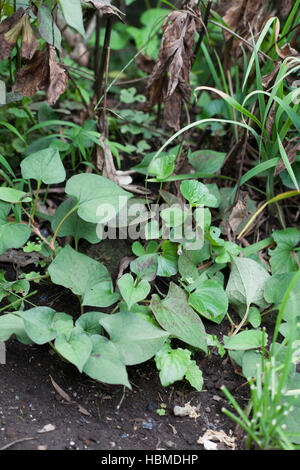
[
  {"x": 12, "y": 129},
  {"x": 287, "y": 163}
]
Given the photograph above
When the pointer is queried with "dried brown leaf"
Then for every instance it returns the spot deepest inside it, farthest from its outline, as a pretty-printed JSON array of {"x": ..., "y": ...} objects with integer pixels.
[
  {"x": 254, "y": 14},
  {"x": 67, "y": 398},
  {"x": 172, "y": 110},
  {"x": 83, "y": 410},
  {"x": 212, "y": 435},
  {"x": 145, "y": 63},
  {"x": 170, "y": 78},
  {"x": 244, "y": 17},
  {"x": 105, "y": 8},
  {"x": 60, "y": 391},
  {"x": 238, "y": 215},
  {"x": 232, "y": 17},
  {"x": 33, "y": 76},
  {"x": 10, "y": 29},
  {"x": 11, "y": 20},
  {"x": 58, "y": 78},
  {"x": 29, "y": 43},
  {"x": 287, "y": 50},
  {"x": 105, "y": 161}
]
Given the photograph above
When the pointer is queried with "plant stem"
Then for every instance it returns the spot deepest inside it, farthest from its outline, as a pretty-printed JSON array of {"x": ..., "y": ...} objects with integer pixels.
[
  {"x": 39, "y": 278},
  {"x": 61, "y": 222},
  {"x": 242, "y": 322},
  {"x": 201, "y": 36},
  {"x": 97, "y": 47},
  {"x": 19, "y": 300},
  {"x": 102, "y": 67},
  {"x": 55, "y": 350},
  {"x": 36, "y": 199}
]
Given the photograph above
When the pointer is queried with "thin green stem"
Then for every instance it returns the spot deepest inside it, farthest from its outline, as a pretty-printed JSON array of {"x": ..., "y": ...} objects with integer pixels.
[
  {"x": 114, "y": 309},
  {"x": 39, "y": 278},
  {"x": 30, "y": 115},
  {"x": 55, "y": 350},
  {"x": 62, "y": 221},
  {"x": 36, "y": 199},
  {"x": 12, "y": 304}
]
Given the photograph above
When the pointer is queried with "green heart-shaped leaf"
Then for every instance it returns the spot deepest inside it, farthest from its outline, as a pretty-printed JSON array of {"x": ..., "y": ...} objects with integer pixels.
[
  {"x": 176, "y": 316},
  {"x": 45, "y": 166},
  {"x": 13, "y": 195},
  {"x": 38, "y": 323},
  {"x": 13, "y": 325},
  {"x": 210, "y": 300},
  {"x": 136, "y": 338},
  {"x": 145, "y": 267},
  {"x": 84, "y": 276},
  {"x": 98, "y": 199},
  {"x": 197, "y": 194},
  {"x": 13, "y": 235},
  {"x": 106, "y": 363},
  {"x": 131, "y": 293},
  {"x": 76, "y": 347}
]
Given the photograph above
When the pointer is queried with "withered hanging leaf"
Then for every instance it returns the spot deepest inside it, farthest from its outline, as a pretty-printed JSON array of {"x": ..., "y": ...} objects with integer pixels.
[
  {"x": 172, "y": 110},
  {"x": 105, "y": 8},
  {"x": 29, "y": 43},
  {"x": 292, "y": 150},
  {"x": 285, "y": 51},
  {"x": 58, "y": 78},
  {"x": 145, "y": 63},
  {"x": 10, "y": 29},
  {"x": 245, "y": 17},
  {"x": 11, "y": 20},
  {"x": 34, "y": 75},
  {"x": 170, "y": 78},
  {"x": 232, "y": 17},
  {"x": 254, "y": 14},
  {"x": 40, "y": 73}
]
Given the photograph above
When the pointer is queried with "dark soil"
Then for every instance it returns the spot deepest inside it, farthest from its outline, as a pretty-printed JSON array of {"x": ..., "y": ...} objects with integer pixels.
[{"x": 101, "y": 416}]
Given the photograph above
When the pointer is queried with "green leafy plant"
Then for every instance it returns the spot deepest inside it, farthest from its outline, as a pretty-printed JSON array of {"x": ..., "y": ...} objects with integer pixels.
[
  {"x": 189, "y": 267},
  {"x": 273, "y": 411}
]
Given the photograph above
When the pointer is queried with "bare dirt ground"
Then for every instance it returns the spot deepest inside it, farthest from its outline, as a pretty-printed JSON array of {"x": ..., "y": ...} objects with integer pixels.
[{"x": 35, "y": 413}]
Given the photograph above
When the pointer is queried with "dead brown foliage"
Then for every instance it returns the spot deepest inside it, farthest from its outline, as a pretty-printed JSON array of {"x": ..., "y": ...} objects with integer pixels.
[
  {"x": 105, "y": 8},
  {"x": 40, "y": 73},
  {"x": 242, "y": 16},
  {"x": 10, "y": 30},
  {"x": 170, "y": 79}
]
